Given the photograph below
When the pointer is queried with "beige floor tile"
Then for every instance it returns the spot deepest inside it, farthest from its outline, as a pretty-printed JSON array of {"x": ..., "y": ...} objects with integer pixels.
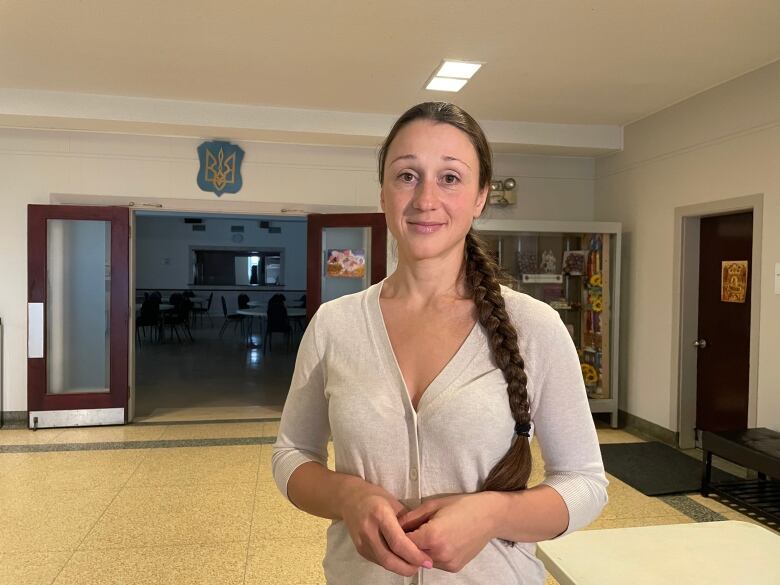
[
  {"x": 50, "y": 521},
  {"x": 31, "y": 568},
  {"x": 295, "y": 561},
  {"x": 550, "y": 580},
  {"x": 198, "y": 465},
  {"x": 275, "y": 517},
  {"x": 28, "y": 437},
  {"x": 118, "y": 434},
  {"x": 605, "y": 523},
  {"x": 607, "y": 436},
  {"x": 270, "y": 429},
  {"x": 174, "y": 516},
  {"x": 213, "y": 431},
  {"x": 194, "y": 565},
  {"x": 70, "y": 469},
  {"x": 266, "y": 452}
]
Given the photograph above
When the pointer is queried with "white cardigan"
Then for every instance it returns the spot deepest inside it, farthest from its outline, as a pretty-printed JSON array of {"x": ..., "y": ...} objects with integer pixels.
[{"x": 347, "y": 384}]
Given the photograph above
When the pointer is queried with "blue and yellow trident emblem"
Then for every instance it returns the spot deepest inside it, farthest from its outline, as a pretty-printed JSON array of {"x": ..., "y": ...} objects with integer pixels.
[{"x": 220, "y": 167}]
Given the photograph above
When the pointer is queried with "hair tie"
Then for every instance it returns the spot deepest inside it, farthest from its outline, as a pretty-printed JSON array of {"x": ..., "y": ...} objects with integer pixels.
[{"x": 523, "y": 429}]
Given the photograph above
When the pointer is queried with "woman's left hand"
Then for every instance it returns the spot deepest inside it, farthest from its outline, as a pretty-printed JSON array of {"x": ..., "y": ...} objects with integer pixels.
[{"x": 452, "y": 529}]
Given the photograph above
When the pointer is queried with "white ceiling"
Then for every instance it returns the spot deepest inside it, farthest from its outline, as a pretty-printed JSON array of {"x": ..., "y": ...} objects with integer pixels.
[{"x": 580, "y": 62}]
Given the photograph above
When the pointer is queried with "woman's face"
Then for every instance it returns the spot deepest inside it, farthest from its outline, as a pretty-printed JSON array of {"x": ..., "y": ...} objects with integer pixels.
[{"x": 431, "y": 190}]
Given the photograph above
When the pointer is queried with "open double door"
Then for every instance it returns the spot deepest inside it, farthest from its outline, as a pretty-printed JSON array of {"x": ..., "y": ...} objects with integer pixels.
[{"x": 81, "y": 307}]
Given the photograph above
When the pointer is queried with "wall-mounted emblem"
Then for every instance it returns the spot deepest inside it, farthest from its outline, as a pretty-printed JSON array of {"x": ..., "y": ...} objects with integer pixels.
[{"x": 220, "y": 167}]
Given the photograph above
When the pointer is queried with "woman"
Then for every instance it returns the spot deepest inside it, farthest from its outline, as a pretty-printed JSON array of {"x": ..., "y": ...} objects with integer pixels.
[{"x": 431, "y": 384}]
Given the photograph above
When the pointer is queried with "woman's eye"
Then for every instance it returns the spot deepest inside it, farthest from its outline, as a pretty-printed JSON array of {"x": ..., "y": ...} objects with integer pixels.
[
  {"x": 450, "y": 179},
  {"x": 406, "y": 177}
]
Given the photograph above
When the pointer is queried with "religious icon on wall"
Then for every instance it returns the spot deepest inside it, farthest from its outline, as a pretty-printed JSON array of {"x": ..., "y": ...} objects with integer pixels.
[
  {"x": 733, "y": 281},
  {"x": 346, "y": 263}
]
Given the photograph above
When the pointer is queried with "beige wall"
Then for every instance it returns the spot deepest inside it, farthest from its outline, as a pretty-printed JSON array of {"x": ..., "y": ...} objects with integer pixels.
[
  {"x": 34, "y": 164},
  {"x": 721, "y": 144}
]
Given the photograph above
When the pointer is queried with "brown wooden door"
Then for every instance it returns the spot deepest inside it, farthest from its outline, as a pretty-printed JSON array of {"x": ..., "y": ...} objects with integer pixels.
[
  {"x": 344, "y": 238},
  {"x": 78, "y": 312},
  {"x": 723, "y": 363}
]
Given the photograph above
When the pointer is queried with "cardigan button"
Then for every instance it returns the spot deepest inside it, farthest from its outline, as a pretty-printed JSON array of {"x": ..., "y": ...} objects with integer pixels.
[{"x": 413, "y": 474}]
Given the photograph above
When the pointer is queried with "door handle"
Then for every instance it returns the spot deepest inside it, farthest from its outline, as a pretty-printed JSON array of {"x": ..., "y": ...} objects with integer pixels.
[{"x": 700, "y": 343}]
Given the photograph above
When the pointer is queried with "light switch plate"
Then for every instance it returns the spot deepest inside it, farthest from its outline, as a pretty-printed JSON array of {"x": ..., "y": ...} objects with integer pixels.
[{"x": 777, "y": 278}]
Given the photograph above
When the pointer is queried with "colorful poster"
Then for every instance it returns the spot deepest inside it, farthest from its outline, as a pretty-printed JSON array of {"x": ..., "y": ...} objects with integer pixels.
[
  {"x": 346, "y": 263},
  {"x": 733, "y": 281}
]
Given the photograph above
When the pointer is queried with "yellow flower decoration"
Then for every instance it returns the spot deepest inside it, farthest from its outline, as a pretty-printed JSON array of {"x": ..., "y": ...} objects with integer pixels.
[
  {"x": 595, "y": 280},
  {"x": 590, "y": 374},
  {"x": 596, "y": 305}
]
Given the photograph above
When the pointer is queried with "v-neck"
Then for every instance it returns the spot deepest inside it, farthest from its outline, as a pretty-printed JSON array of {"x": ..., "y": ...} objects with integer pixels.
[{"x": 459, "y": 360}]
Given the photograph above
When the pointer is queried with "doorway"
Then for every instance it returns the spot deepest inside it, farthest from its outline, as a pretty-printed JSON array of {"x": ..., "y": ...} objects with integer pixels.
[
  {"x": 715, "y": 316},
  {"x": 234, "y": 358}
]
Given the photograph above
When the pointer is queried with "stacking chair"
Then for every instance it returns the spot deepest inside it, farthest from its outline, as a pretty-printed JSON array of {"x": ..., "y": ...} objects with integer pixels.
[
  {"x": 203, "y": 311},
  {"x": 278, "y": 322},
  {"x": 149, "y": 317},
  {"x": 234, "y": 318},
  {"x": 243, "y": 301},
  {"x": 179, "y": 318}
]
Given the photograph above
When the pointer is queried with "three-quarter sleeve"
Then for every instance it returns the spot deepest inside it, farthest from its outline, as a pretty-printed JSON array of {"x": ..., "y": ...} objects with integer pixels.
[
  {"x": 304, "y": 429},
  {"x": 563, "y": 424}
]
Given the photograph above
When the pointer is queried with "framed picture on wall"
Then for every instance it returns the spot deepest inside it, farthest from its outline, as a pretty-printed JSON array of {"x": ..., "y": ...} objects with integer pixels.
[{"x": 345, "y": 263}]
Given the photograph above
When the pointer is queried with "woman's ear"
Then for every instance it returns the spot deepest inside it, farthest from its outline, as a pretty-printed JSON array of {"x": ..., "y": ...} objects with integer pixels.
[
  {"x": 382, "y": 198},
  {"x": 479, "y": 204}
]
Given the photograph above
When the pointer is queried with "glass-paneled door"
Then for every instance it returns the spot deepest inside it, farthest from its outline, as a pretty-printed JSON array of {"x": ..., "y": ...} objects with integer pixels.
[
  {"x": 78, "y": 315},
  {"x": 347, "y": 253}
]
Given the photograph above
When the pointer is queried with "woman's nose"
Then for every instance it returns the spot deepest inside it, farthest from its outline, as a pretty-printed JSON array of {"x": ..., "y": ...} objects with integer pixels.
[{"x": 426, "y": 197}]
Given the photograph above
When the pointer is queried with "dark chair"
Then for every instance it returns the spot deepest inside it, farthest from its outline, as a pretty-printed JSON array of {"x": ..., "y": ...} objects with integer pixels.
[
  {"x": 149, "y": 317},
  {"x": 203, "y": 311},
  {"x": 179, "y": 317},
  {"x": 243, "y": 301},
  {"x": 278, "y": 322},
  {"x": 156, "y": 295},
  {"x": 234, "y": 318}
]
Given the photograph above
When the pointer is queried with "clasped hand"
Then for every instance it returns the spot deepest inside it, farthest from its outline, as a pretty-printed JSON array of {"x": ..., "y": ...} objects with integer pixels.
[{"x": 445, "y": 532}]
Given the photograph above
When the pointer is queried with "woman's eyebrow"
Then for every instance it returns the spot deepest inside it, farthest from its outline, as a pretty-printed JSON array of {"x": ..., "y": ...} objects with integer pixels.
[
  {"x": 448, "y": 158},
  {"x": 403, "y": 157},
  {"x": 445, "y": 157}
]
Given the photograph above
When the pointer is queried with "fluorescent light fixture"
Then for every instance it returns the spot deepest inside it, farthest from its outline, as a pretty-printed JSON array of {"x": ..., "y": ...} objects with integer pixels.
[
  {"x": 452, "y": 75},
  {"x": 458, "y": 69},
  {"x": 446, "y": 84}
]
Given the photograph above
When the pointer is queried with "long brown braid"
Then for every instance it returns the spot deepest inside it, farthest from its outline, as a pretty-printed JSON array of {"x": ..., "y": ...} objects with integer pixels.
[{"x": 482, "y": 278}]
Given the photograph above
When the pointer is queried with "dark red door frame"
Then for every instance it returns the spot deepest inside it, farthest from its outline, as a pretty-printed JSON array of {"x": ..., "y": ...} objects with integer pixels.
[
  {"x": 37, "y": 384},
  {"x": 316, "y": 223}
]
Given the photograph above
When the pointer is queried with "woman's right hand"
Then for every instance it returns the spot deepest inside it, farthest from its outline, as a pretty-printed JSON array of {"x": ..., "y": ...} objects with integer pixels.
[{"x": 371, "y": 514}]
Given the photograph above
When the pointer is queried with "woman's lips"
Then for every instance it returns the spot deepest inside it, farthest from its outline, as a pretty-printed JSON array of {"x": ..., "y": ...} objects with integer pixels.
[{"x": 425, "y": 227}]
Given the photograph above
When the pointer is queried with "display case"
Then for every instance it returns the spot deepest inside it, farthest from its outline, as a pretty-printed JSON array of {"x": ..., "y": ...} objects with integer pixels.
[{"x": 575, "y": 268}]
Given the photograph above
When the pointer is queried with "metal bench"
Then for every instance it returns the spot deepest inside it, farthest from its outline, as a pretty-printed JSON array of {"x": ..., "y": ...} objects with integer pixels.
[{"x": 756, "y": 449}]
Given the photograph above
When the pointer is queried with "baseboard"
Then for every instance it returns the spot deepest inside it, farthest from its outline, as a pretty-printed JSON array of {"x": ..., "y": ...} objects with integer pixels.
[
  {"x": 13, "y": 419},
  {"x": 647, "y": 429}
]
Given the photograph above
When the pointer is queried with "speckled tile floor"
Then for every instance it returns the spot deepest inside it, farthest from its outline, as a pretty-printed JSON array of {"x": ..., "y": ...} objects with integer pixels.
[{"x": 165, "y": 513}]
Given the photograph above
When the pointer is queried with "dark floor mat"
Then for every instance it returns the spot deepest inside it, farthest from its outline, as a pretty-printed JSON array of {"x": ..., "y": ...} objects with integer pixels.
[{"x": 656, "y": 469}]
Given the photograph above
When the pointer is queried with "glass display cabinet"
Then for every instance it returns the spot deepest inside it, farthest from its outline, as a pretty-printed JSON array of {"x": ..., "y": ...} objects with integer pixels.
[{"x": 575, "y": 268}]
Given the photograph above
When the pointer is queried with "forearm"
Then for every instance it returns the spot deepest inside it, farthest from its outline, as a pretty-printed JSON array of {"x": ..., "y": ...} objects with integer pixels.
[
  {"x": 319, "y": 491},
  {"x": 531, "y": 515}
]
